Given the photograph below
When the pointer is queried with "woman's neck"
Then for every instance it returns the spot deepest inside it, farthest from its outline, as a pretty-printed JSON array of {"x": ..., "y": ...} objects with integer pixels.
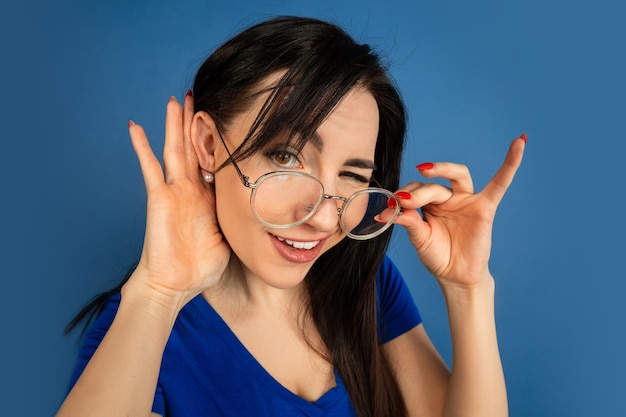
[{"x": 239, "y": 289}]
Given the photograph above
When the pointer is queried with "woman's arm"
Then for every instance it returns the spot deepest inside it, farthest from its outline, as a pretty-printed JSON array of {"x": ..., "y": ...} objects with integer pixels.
[
  {"x": 453, "y": 240},
  {"x": 429, "y": 388},
  {"x": 421, "y": 374},
  {"x": 183, "y": 254},
  {"x": 477, "y": 386},
  {"x": 121, "y": 377}
]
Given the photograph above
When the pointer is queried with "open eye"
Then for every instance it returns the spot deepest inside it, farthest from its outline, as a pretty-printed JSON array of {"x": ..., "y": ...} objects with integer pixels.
[{"x": 283, "y": 158}]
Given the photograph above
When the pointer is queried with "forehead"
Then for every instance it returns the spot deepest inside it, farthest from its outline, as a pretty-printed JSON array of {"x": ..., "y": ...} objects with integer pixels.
[{"x": 353, "y": 123}]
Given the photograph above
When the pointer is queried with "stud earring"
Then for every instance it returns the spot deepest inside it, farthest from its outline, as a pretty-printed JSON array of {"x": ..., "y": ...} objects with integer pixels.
[{"x": 208, "y": 177}]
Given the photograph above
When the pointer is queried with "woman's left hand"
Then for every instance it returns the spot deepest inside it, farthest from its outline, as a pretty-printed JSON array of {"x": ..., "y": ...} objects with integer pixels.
[{"x": 453, "y": 235}]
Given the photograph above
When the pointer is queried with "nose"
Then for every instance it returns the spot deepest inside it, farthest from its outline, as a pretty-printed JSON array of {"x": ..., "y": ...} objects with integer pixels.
[{"x": 326, "y": 217}]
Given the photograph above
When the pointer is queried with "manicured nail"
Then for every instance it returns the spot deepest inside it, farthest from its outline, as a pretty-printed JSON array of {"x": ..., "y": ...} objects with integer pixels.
[
  {"x": 172, "y": 99},
  {"x": 189, "y": 93},
  {"x": 392, "y": 203},
  {"x": 131, "y": 123},
  {"x": 403, "y": 195},
  {"x": 523, "y": 137},
  {"x": 425, "y": 166}
]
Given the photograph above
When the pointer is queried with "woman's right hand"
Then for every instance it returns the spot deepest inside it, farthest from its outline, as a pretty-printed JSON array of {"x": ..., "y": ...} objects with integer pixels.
[{"x": 184, "y": 252}]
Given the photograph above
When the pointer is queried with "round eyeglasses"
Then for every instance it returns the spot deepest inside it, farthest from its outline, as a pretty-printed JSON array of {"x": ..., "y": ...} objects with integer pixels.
[{"x": 284, "y": 199}]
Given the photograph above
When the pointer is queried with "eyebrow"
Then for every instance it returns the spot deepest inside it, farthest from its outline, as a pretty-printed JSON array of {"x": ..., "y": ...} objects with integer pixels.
[
  {"x": 360, "y": 163},
  {"x": 316, "y": 141}
]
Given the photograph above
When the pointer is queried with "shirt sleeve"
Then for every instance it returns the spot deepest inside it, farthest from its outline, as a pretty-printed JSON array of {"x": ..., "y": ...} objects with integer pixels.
[
  {"x": 397, "y": 312},
  {"x": 92, "y": 339}
]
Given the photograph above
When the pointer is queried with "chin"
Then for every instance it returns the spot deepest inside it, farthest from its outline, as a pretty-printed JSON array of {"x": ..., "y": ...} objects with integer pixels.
[{"x": 286, "y": 277}]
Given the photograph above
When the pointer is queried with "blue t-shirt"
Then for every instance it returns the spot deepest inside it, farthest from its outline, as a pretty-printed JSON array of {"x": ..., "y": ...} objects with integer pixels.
[{"x": 207, "y": 371}]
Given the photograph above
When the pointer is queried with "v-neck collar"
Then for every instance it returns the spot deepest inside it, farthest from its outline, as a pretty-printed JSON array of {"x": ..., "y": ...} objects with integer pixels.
[{"x": 215, "y": 321}]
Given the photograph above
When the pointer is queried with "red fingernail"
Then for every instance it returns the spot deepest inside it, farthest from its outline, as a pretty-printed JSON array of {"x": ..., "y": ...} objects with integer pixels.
[
  {"x": 392, "y": 203},
  {"x": 403, "y": 195},
  {"x": 523, "y": 137},
  {"x": 131, "y": 123},
  {"x": 189, "y": 93},
  {"x": 425, "y": 166}
]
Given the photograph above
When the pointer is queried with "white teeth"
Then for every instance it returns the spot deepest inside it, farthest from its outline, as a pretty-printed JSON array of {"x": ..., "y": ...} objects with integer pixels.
[
  {"x": 304, "y": 245},
  {"x": 299, "y": 245}
]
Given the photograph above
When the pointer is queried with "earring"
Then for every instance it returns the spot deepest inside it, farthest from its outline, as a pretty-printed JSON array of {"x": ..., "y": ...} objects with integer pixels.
[{"x": 208, "y": 177}]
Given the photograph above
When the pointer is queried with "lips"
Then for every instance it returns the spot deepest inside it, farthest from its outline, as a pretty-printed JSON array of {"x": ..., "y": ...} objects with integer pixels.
[{"x": 297, "y": 251}]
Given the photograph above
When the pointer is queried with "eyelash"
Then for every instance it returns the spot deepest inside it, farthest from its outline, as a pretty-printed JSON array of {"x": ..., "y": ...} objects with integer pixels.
[
  {"x": 357, "y": 177},
  {"x": 272, "y": 154}
]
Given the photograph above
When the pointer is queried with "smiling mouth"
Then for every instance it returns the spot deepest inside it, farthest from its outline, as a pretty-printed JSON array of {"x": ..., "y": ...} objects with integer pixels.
[{"x": 298, "y": 245}]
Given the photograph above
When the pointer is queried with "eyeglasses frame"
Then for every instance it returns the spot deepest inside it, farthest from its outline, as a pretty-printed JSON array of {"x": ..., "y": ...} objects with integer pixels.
[{"x": 245, "y": 180}]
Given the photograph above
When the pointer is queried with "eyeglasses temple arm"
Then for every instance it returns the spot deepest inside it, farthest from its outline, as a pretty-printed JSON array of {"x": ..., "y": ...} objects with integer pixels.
[{"x": 244, "y": 179}]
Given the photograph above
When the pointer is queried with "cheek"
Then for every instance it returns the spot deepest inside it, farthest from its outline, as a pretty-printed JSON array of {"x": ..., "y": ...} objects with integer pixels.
[
  {"x": 232, "y": 197},
  {"x": 232, "y": 202}
]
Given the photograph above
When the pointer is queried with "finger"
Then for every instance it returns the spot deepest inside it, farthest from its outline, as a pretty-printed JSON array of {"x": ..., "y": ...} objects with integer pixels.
[
  {"x": 416, "y": 195},
  {"x": 150, "y": 166},
  {"x": 174, "y": 151},
  {"x": 500, "y": 182},
  {"x": 458, "y": 175},
  {"x": 418, "y": 229},
  {"x": 191, "y": 158}
]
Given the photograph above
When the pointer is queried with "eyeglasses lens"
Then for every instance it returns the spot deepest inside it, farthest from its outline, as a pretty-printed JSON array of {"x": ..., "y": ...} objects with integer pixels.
[
  {"x": 360, "y": 211},
  {"x": 283, "y": 200}
]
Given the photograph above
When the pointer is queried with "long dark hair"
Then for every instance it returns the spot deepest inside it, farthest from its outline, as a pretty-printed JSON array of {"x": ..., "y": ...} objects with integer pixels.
[{"x": 321, "y": 64}]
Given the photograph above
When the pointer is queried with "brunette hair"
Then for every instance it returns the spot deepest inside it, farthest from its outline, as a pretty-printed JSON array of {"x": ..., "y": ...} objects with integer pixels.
[{"x": 320, "y": 63}]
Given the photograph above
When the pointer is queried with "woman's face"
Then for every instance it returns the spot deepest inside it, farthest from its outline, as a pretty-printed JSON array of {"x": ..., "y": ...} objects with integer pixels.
[{"x": 341, "y": 156}]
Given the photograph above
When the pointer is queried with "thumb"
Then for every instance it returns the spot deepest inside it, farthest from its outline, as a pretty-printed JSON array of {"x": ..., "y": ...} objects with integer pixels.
[{"x": 416, "y": 226}]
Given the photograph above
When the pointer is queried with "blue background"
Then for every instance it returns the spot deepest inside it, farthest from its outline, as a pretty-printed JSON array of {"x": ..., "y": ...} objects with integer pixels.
[{"x": 474, "y": 75}]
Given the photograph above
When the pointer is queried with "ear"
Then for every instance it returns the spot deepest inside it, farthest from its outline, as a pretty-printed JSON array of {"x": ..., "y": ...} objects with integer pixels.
[{"x": 204, "y": 137}]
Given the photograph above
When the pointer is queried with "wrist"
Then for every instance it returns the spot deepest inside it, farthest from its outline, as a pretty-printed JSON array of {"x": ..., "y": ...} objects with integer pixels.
[
  {"x": 475, "y": 288},
  {"x": 141, "y": 292},
  {"x": 478, "y": 295}
]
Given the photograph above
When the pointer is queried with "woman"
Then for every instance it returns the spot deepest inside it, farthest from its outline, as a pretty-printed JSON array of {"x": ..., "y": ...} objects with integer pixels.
[{"x": 263, "y": 288}]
